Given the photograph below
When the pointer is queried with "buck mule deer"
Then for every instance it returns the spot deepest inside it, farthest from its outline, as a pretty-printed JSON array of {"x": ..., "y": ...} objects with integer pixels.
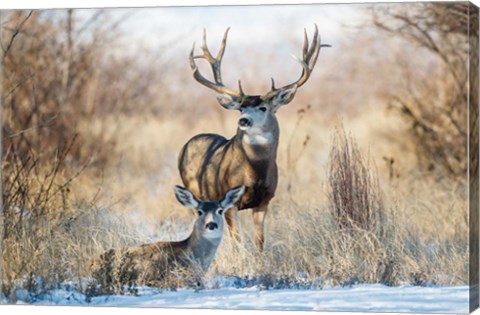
[
  {"x": 151, "y": 263},
  {"x": 210, "y": 165}
]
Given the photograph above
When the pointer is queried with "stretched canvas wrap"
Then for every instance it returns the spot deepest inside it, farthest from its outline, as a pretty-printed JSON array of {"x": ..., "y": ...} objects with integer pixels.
[{"x": 180, "y": 157}]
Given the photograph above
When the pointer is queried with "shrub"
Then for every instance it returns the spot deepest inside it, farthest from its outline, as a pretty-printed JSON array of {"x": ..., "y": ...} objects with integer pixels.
[
  {"x": 435, "y": 101},
  {"x": 355, "y": 196}
]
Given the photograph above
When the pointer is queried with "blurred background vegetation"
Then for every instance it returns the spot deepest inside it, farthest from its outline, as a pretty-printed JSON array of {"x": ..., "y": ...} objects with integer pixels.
[{"x": 93, "y": 119}]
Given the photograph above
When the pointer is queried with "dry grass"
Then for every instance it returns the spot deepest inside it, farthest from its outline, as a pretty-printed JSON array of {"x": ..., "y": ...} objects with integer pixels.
[
  {"x": 304, "y": 244},
  {"x": 423, "y": 230},
  {"x": 306, "y": 240},
  {"x": 313, "y": 246}
]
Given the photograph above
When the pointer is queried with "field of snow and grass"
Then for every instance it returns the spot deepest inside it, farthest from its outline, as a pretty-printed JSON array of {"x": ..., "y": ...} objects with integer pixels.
[
  {"x": 99, "y": 172},
  {"x": 358, "y": 298}
]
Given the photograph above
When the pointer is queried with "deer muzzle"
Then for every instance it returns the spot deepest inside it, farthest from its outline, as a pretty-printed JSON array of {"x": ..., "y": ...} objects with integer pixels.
[
  {"x": 211, "y": 226},
  {"x": 244, "y": 122}
]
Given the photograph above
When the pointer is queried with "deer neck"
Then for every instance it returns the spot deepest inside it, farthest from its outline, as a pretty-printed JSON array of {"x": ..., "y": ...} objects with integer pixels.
[
  {"x": 260, "y": 143},
  {"x": 203, "y": 249}
]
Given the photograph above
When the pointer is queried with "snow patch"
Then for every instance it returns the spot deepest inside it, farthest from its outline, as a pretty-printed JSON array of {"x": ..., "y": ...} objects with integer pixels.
[{"x": 358, "y": 298}]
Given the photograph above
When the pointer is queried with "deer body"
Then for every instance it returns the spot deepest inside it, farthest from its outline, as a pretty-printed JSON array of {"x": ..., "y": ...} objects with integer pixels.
[
  {"x": 209, "y": 164},
  {"x": 210, "y": 174},
  {"x": 152, "y": 263}
]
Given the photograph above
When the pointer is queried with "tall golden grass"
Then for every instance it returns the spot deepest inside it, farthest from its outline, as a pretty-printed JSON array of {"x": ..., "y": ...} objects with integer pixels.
[{"x": 303, "y": 234}]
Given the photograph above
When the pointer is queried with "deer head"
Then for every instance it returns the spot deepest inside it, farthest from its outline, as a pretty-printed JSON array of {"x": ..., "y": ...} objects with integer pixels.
[
  {"x": 210, "y": 214},
  {"x": 257, "y": 111}
]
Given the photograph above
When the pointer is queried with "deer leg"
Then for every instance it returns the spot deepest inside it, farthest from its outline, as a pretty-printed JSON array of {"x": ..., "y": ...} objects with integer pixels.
[
  {"x": 231, "y": 218},
  {"x": 259, "y": 223}
]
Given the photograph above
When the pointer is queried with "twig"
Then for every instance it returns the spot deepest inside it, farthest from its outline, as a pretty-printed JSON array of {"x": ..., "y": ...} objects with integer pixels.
[{"x": 14, "y": 35}]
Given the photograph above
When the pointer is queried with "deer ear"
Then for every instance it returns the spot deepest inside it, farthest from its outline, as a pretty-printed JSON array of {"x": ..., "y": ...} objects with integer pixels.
[
  {"x": 283, "y": 97},
  {"x": 227, "y": 101},
  {"x": 232, "y": 196},
  {"x": 185, "y": 197}
]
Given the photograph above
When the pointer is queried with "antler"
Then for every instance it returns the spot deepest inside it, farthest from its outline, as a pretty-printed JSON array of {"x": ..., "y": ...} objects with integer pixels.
[
  {"x": 215, "y": 63},
  {"x": 310, "y": 55}
]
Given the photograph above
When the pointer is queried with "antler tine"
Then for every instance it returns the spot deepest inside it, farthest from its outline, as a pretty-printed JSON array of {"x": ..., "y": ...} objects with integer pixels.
[
  {"x": 309, "y": 51},
  {"x": 310, "y": 54},
  {"x": 193, "y": 65},
  {"x": 222, "y": 46},
  {"x": 305, "y": 72},
  {"x": 305, "y": 43},
  {"x": 315, "y": 48},
  {"x": 240, "y": 88},
  {"x": 317, "y": 41},
  {"x": 206, "y": 53},
  {"x": 215, "y": 64}
]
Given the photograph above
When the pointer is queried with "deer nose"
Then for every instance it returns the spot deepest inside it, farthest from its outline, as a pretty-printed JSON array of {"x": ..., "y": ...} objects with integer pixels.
[
  {"x": 211, "y": 226},
  {"x": 244, "y": 122}
]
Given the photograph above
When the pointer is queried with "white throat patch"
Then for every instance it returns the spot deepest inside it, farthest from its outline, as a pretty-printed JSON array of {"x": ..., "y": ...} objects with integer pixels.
[
  {"x": 212, "y": 234},
  {"x": 254, "y": 136}
]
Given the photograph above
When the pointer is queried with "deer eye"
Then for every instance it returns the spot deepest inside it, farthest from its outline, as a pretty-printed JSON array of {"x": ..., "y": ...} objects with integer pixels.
[
  {"x": 220, "y": 211},
  {"x": 263, "y": 109},
  {"x": 200, "y": 212}
]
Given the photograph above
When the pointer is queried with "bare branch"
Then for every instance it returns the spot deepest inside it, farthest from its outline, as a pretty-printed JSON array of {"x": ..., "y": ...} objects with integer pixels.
[{"x": 14, "y": 35}]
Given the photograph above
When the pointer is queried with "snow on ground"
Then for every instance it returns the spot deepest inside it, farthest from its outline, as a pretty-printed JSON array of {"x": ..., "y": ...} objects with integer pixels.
[{"x": 363, "y": 298}]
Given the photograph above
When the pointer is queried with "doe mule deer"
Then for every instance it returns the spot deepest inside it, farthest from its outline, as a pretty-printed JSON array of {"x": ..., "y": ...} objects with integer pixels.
[{"x": 154, "y": 263}]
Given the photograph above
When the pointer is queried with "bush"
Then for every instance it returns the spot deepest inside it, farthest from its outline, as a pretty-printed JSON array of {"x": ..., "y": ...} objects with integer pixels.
[
  {"x": 54, "y": 83},
  {"x": 355, "y": 196},
  {"x": 435, "y": 103}
]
